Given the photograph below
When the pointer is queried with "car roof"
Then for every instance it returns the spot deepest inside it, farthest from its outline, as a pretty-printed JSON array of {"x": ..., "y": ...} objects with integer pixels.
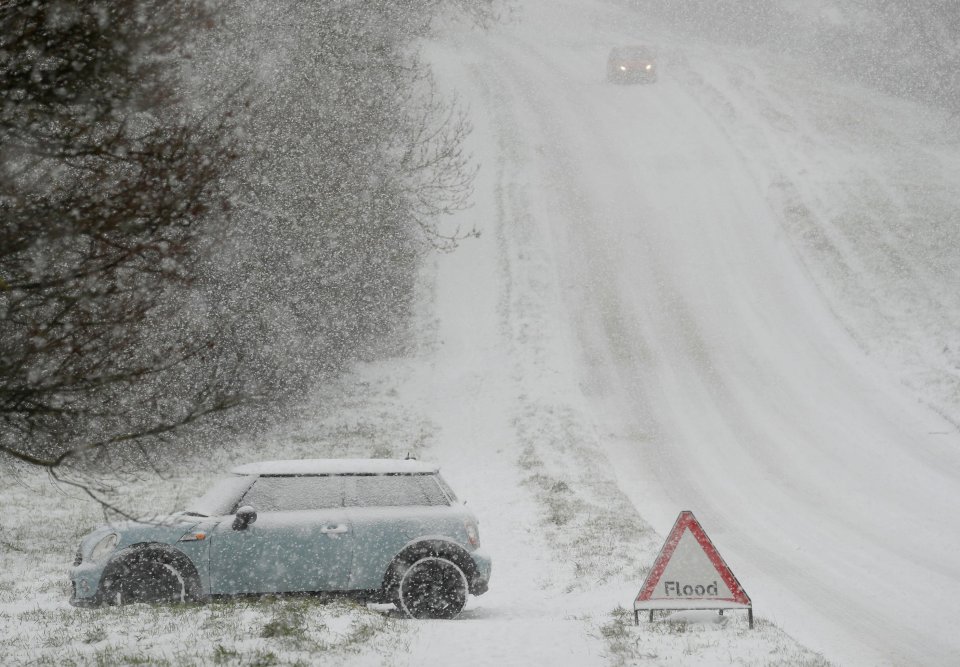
[
  {"x": 637, "y": 50},
  {"x": 337, "y": 467}
]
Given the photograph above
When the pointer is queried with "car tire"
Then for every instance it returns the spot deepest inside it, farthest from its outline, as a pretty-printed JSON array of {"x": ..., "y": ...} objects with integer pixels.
[
  {"x": 432, "y": 587},
  {"x": 151, "y": 579}
]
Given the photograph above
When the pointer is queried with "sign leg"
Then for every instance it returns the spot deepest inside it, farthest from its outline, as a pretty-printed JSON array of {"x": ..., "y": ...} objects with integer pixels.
[
  {"x": 750, "y": 617},
  {"x": 636, "y": 617}
]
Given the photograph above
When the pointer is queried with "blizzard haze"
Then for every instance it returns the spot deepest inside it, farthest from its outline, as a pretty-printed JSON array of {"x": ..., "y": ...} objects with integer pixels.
[{"x": 734, "y": 291}]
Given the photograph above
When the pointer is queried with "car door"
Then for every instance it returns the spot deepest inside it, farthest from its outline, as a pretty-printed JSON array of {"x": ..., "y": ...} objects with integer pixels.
[
  {"x": 300, "y": 541},
  {"x": 386, "y": 512}
]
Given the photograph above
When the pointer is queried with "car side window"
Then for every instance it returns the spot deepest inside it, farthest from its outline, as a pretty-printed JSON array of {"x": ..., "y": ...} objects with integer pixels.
[
  {"x": 394, "y": 491},
  {"x": 289, "y": 494}
]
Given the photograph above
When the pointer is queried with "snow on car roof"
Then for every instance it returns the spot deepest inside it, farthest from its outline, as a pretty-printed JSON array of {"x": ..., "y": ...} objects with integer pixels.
[
  {"x": 633, "y": 51},
  {"x": 337, "y": 467}
]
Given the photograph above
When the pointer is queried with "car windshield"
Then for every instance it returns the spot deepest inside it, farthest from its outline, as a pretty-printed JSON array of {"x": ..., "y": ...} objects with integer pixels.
[
  {"x": 637, "y": 53},
  {"x": 222, "y": 498}
]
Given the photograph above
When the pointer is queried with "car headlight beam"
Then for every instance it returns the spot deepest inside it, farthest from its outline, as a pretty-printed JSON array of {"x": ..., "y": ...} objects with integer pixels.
[{"x": 104, "y": 547}]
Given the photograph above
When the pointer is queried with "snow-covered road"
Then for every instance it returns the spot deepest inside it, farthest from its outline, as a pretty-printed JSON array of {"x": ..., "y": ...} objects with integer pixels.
[{"x": 633, "y": 246}]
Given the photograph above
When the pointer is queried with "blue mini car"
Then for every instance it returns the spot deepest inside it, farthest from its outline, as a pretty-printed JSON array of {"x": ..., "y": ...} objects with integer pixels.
[{"x": 386, "y": 531}]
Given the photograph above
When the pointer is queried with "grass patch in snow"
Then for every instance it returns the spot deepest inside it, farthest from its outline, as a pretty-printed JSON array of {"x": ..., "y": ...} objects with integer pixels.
[
  {"x": 595, "y": 530},
  {"x": 243, "y": 631},
  {"x": 700, "y": 638}
]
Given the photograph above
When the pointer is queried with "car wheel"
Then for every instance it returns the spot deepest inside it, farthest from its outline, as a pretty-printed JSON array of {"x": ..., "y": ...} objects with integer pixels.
[
  {"x": 432, "y": 588},
  {"x": 146, "y": 579}
]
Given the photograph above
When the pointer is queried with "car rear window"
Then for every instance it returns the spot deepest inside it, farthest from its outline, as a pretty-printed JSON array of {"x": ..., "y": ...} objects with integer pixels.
[
  {"x": 290, "y": 494},
  {"x": 394, "y": 490}
]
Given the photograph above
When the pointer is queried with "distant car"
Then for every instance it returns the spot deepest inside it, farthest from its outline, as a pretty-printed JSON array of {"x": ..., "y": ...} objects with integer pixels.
[
  {"x": 382, "y": 530},
  {"x": 631, "y": 64}
]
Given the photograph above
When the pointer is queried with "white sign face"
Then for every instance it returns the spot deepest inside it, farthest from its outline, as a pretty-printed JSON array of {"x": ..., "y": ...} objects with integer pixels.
[{"x": 690, "y": 574}]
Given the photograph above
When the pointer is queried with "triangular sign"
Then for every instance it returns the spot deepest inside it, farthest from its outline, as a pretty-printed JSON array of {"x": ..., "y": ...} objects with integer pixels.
[{"x": 690, "y": 574}]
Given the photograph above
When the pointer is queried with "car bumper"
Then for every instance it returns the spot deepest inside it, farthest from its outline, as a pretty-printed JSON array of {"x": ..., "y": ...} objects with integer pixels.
[
  {"x": 85, "y": 585},
  {"x": 480, "y": 582},
  {"x": 634, "y": 76}
]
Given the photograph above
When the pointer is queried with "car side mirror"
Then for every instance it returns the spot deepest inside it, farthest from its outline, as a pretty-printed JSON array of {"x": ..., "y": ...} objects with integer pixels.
[{"x": 245, "y": 516}]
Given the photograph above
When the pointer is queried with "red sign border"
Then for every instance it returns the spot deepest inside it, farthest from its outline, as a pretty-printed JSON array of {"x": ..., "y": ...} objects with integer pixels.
[{"x": 686, "y": 521}]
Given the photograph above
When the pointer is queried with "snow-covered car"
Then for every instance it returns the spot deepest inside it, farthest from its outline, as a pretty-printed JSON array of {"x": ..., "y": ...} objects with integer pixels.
[
  {"x": 382, "y": 530},
  {"x": 631, "y": 64}
]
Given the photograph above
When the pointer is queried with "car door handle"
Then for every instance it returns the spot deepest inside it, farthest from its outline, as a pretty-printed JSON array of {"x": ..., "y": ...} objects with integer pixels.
[{"x": 334, "y": 529}]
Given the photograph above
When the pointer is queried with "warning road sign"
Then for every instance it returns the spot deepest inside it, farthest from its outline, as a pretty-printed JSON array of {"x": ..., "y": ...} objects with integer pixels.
[{"x": 689, "y": 573}]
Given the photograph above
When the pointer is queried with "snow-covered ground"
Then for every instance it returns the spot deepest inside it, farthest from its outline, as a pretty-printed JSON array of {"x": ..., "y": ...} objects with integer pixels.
[
  {"x": 740, "y": 285},
  {"x": 734, "y": 291}
]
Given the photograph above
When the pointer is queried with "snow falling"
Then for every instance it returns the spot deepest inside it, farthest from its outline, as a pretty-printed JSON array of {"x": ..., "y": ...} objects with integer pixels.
[{"x": 468, "y": 234}]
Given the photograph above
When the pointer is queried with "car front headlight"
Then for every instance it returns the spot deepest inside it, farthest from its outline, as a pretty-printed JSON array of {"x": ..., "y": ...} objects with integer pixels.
[{"x": 104, "y": 547}]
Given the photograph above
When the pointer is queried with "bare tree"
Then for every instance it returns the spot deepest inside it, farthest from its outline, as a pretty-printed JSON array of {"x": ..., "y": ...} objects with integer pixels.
[
  {"x": 106, "y": 185},
  {"x": 353, "y": 162}
]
